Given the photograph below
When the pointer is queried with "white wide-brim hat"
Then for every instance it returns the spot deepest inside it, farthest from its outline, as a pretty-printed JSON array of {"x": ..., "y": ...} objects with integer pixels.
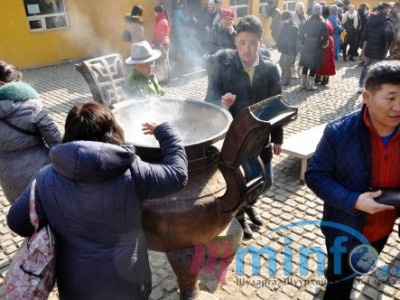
[{"x": 142, "y": 53}]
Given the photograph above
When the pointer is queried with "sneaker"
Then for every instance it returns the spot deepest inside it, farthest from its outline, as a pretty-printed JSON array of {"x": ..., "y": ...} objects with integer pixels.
[
  {"x": 360, "y": 89},
  {"x": 253, "y": 214}
]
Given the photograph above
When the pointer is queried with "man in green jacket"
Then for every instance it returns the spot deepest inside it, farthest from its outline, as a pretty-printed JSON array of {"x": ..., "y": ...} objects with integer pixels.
[{"x": 143, "y": 82}]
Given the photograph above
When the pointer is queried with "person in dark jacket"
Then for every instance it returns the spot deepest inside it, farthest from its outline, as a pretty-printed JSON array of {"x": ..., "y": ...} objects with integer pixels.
[
  {"x": 394, "y": 16},
  {"x": 356, "y": 153},
  {"x": 92, "y": 196},
  {"x": 314, "y": 39},
  {"x": 276, "y": 23},
  {"x": 241, "y": 78},
  {"x": 222, "y": 36},
  {"x": 350, "y": 22},
  {"x": 287, "y": 45},
  {"x": 378, "y": 34},
  {"x": 363, "y": 14},
  {"x": 26, "y": 133}
]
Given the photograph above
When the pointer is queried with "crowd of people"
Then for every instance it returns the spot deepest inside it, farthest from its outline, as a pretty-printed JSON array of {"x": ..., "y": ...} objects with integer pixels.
[
  {"x": 104, "y": 245},
  {"x": 350, "y": 34}
]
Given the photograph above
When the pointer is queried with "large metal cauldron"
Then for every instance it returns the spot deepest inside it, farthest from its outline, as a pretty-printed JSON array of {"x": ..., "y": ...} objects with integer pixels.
[
  {"x": 198, "y": 124},
  {"x": 216, "y": 187}
]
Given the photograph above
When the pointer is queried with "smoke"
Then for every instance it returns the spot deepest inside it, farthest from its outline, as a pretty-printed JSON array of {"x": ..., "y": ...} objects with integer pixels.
[{"x": 83, "y": 34}]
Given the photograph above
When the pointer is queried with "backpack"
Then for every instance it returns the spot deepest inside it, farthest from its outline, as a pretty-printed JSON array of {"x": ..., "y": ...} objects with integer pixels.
[{"x": 32, "y": 272}]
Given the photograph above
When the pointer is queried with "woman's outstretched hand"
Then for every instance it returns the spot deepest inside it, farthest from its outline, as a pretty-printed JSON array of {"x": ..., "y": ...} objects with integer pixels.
[{"x": 149, "y": 127}]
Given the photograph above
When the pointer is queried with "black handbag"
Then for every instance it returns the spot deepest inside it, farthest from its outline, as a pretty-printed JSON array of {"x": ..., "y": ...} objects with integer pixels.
[{"x": 126, "y": 36}]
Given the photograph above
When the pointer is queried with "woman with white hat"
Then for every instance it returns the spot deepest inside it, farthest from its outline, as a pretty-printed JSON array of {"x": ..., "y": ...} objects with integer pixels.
[{"x": 143, "y": 82}]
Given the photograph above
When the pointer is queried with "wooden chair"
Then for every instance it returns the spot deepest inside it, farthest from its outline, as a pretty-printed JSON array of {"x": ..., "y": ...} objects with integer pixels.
[{"x": 106, "y": 78}]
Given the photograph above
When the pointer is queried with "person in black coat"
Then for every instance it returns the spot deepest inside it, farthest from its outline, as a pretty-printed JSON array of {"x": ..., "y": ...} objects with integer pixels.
[
  {"x": 222, "y": 36},
  {"x": 378, "y": 34},
  {"x": 314, "y": 39},
  {"x": 287, "y": 45},
  {"x": 243, "y": 77}
]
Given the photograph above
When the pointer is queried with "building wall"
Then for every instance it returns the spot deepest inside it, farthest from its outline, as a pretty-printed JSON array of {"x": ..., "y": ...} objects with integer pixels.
[{"x": 94, "y": 28}]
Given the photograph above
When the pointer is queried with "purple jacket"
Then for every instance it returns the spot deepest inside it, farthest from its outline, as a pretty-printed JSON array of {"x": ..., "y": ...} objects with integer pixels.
[{"x": 92, "y": 196}]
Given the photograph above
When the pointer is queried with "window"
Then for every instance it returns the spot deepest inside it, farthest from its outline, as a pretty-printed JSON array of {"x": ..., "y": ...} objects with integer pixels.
[
  {"x": 290, "y": 5},
  {"x": 264, "y": 6},
  {"x": 45, "y": 14},
  {"x": 241, "y": 7}
]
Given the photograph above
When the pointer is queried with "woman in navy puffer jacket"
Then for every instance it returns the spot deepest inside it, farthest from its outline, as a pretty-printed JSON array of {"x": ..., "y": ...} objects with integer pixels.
[{"x": 92, "y": 195}]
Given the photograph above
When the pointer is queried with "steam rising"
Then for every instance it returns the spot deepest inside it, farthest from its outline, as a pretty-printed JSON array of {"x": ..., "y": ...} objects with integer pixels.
[{"x": 195, "y": 121}]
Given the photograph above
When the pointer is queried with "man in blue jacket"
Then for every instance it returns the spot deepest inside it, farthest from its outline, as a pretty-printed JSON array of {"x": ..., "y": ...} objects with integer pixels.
[{"x": 357, "y": 153}]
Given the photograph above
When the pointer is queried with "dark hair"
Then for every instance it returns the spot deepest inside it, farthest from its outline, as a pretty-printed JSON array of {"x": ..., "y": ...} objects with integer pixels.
[
  {"x": 382, "y": 6},
  {"x": 325, "y": 12},
  {"x": 286, "y": 15},
  {"x": 9, "y": 72},
  {"x": 250, "y": 24},
  {"x": 137, "y": 10},
  {"x": 387, "y": 71},
  {"x": 92, "y": 121},
  {"x": 363, "y": 7},
  {"x": 159, "y": 8}
]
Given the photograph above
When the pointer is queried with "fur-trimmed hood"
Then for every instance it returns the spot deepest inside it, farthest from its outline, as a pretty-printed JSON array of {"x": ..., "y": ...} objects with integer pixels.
[
  {"x": 133, "y": 19},
  {"x": 17, "y": 92}
]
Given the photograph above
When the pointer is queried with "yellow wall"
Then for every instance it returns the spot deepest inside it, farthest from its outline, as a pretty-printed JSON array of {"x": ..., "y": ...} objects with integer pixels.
[
  {"x": 94, "y": 28},
  {"x": 26, "y": 49}
]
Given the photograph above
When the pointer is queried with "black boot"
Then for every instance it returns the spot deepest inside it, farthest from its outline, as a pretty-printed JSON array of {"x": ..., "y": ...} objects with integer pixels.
[
  {"x": 253, "y": 214},
  {"x": 247, "y": 232},
  {"x": 325, "y": 80},
  {"x": 318, "y": 79}
]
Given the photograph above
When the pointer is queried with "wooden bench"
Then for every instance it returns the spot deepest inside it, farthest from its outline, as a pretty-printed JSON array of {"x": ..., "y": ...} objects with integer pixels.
[{"x": 303, "y": 145}]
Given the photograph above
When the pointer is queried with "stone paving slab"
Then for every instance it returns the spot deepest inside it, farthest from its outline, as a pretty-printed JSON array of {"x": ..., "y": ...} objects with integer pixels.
[{"x": 287, "y": 201}]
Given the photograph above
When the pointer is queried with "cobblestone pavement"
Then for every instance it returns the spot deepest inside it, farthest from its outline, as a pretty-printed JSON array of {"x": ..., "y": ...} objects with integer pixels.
[{"x": 287, "y": 201}]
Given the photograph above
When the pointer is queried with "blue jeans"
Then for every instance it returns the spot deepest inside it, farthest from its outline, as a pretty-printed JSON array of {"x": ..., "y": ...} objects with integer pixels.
[
  {"x": 252, "y": 170},
  {"x": 336, "y": 40}
]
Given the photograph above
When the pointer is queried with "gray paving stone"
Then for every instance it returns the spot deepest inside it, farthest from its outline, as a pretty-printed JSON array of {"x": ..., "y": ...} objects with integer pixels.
[{"x": 285, "y": 202}]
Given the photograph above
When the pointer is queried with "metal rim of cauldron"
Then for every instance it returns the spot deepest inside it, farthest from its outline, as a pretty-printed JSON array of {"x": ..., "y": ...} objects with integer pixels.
[{"x": 210, "y": 140}]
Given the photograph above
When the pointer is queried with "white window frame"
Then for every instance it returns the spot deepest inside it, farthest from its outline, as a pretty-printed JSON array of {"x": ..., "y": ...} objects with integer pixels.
[
  {"x": 290, "y": 5},
  {"x": 263, "y": 10},
  {"x": 236, "y": 6},
  {"x": 42, "y": 19}
]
